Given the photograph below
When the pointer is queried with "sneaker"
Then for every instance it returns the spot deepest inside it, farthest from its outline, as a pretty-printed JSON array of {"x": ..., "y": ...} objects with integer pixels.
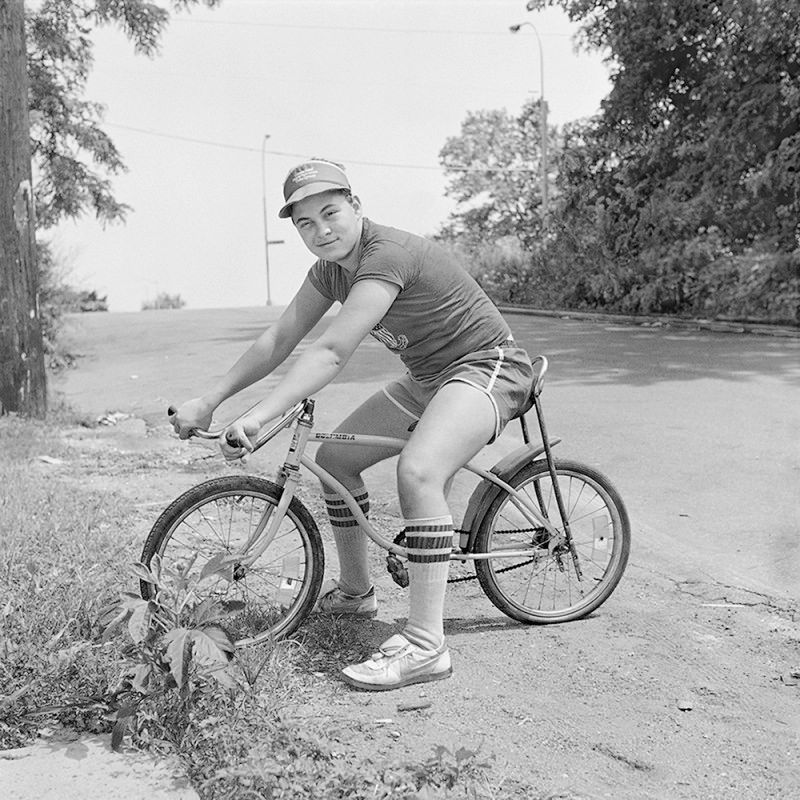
[
  {"x": 399, "y": 663},
  {"x": 332, "y": 600}
]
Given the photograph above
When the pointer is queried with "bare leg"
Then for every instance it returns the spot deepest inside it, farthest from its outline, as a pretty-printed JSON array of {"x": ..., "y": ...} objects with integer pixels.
[{"x": 456, "y": 425}]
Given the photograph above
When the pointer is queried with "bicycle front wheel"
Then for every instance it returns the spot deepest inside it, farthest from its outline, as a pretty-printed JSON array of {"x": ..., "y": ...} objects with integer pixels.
[
  {"x": 554, "y": 579},
  {"x": 218, "y": 520}
]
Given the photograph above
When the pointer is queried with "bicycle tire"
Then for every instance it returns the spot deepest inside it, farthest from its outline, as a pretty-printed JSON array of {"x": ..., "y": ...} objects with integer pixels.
[
  {"x": 278, "y": 590},
  {"x": 544, "y": 587}
]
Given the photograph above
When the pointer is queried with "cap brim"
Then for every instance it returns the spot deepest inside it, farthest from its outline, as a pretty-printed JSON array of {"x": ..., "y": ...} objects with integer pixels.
[{"x": 306, "y": 191}]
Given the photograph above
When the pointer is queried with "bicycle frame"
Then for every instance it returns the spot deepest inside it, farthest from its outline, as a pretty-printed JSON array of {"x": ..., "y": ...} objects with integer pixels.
[{"x": 302, "y": 417}]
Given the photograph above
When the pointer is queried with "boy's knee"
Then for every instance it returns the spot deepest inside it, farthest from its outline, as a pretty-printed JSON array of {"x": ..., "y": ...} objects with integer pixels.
[{"x": 413, "y": 473}]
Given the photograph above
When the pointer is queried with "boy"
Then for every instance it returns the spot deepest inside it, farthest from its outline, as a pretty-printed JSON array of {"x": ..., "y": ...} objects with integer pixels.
[{"x": 466, "y": 379}]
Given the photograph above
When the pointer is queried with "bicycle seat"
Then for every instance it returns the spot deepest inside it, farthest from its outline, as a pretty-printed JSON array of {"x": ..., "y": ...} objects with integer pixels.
[{"x": 537, "y": 384}]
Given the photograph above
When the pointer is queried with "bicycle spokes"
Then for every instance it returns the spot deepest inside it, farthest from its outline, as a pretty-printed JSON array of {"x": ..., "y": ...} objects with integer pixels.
[{"x": 538, "y": 576}]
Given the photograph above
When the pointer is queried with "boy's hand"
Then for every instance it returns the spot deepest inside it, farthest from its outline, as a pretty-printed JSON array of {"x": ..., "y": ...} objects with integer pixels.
[
  {"x": 238, "y": 438},
  {"x": 190, "y": 415}
]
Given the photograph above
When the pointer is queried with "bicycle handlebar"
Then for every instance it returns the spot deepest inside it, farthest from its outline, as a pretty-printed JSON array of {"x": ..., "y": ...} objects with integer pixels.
[{"x": 213, "y": 435}]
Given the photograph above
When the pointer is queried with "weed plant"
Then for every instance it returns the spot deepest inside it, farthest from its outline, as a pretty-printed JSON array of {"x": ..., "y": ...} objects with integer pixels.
[{"x": 66, "y": 554}]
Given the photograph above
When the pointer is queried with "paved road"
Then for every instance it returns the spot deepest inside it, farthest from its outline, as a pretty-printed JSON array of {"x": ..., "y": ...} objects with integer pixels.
[{"x": 699, "y": 431}]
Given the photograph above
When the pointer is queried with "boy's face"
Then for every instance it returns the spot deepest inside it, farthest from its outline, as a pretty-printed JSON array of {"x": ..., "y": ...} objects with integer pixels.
[{"x": 329, "y": 224}]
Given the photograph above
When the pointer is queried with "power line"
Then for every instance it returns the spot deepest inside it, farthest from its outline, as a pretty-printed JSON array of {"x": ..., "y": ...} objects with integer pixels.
[
  {"x": 354, "y": 28},
  {"x": 162, "y": 135},
  {"x": 244, "y": 148}
]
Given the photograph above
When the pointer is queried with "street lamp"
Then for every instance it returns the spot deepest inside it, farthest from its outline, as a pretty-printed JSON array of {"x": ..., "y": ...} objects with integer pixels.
[
  {"x": 267, "y": 241},
  {"x": 542, "y": 110}
]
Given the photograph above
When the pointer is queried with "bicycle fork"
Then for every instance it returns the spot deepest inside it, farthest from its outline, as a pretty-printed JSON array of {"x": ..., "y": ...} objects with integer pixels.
[{"x": 288, "y": 478}]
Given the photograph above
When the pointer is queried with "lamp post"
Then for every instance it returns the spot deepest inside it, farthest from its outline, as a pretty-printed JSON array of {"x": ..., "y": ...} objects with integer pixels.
[
  {"x": 542, "y": 113},
  {"x": 267, "y": 241}
]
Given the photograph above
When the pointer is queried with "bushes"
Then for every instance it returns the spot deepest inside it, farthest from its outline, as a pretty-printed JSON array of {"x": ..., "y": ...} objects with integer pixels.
[
  {"x": 56, "y": 298},
  {"x": 699, "y": 277},
  {"x": 756, "y": 286},
  {"x": 503, "y": 269},
  {"x": 164, "y": 300}
]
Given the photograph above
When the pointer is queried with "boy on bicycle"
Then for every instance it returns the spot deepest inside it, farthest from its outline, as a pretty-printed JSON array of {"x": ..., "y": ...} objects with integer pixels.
[{"x": 465, "y": 379}]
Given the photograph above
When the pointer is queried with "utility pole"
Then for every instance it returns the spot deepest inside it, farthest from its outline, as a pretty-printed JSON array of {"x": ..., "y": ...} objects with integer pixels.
[
  {"x": 267, "y": 240},
  {"x": 23, "y": 383}
]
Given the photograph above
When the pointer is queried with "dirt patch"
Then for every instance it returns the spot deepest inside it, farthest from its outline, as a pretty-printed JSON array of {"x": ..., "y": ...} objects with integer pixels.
[
  {"x": 675, "y": 688},
  {"x": 668, "y": 691}
]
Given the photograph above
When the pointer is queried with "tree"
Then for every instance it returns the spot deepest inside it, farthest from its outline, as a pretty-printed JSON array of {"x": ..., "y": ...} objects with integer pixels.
[
  {"x": 66, "y": 129},
  {"x": 493, "y": 169},
  {"x": 683, "y": 194},
  {"x": 695, "y": 160},
  {"x": 22, "y": 381},
  {"x": 49, "y": 121}
]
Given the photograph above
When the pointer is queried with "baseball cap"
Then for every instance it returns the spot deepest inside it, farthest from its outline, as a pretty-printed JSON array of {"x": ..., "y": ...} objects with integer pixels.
[{"x": 311, "y": 177}]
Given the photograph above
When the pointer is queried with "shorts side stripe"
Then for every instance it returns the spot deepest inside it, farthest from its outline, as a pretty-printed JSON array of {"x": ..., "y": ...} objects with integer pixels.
[
  {"x": 399, "y": 405},
  {"x": 497, "y": 369}
]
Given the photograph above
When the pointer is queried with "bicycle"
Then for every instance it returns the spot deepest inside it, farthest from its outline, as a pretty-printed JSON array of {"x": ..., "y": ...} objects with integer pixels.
[{"x": 549, "y": 538}]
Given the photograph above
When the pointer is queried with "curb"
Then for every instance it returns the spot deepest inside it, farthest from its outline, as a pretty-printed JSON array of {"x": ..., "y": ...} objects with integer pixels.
[{"x": 714, "y": 325}]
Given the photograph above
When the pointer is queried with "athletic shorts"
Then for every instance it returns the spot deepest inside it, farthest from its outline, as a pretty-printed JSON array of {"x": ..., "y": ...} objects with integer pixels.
[{"x": 504, "y": 374}]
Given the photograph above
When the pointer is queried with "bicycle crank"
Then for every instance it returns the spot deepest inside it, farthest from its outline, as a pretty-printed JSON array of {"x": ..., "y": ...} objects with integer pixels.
[{"x": 397, "y": 569}]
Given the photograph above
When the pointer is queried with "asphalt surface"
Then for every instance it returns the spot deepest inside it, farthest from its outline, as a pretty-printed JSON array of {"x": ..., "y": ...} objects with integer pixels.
[{"x": 699, "y": 430}]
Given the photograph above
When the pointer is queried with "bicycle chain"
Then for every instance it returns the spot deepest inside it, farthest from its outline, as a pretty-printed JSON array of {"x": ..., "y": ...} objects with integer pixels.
[
  {"x": 498, "y": 571},
  {"x": 398, "y": 540},
  {"x": 504, "y": 569}
]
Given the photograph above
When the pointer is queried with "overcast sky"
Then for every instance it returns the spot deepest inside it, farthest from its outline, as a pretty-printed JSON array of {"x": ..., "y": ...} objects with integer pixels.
[{"x": 376, "y": 84}]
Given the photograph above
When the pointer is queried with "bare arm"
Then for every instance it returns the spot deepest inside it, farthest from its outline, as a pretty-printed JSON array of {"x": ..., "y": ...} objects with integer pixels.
[
  {"x": 319, "y": 364},
  {"x": 272, "y": 348},
  {"x": 262, "y": 357}
]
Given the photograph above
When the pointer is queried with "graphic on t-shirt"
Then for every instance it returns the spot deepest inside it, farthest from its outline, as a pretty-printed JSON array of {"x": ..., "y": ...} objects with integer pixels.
[{"x": 395, "y": 343}]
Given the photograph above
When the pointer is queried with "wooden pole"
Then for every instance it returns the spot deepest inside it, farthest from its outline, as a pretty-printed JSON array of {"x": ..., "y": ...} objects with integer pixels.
[{"x": 23, "y": 383}]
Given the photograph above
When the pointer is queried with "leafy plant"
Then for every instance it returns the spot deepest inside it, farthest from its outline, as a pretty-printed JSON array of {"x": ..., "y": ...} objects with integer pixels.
[{"x": 179, "y": 641}]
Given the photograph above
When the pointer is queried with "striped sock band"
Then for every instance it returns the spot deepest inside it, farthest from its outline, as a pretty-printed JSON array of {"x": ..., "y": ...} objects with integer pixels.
[
  {"x": 339, "y": 513},
  {"x": 351, "y": 541},
  {"x": 429, "y": 541}
]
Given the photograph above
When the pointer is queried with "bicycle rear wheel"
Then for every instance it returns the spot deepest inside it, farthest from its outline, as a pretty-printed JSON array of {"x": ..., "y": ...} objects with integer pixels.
[
  {"x": 217, "y": 519},
  {"x": 551, "y": 581}
]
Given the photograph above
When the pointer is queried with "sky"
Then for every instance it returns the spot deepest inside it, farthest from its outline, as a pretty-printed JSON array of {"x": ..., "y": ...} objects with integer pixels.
[{"x": 209, "y": 128}]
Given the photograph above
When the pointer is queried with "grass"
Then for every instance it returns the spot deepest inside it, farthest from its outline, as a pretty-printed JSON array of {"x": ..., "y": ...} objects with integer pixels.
[{"x": 65, "y": 555}]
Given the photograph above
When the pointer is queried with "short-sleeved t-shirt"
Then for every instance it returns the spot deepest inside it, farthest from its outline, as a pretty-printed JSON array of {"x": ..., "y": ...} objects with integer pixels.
[{"x": 440, "y": 314}]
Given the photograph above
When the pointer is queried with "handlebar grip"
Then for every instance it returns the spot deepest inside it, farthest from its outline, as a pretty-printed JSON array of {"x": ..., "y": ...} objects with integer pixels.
[{"x": 232, "y": 440}]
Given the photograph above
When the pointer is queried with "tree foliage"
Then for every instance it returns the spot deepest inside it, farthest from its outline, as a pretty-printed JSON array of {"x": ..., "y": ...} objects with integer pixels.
[
  {"x": 494, "y": 175},
  {"x": 73, "y": 157},
  {"x": 683, "y": 194},
  {"x": 704, "y": 112}
]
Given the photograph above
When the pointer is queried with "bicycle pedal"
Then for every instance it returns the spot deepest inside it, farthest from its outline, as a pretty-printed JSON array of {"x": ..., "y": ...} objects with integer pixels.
[{"x": 397, "y": 570}]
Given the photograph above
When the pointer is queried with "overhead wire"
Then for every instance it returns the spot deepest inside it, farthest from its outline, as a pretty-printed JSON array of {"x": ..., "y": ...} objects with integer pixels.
[
  {"x": 354, "y": 28},
  {"x": 245, "y": 148}
]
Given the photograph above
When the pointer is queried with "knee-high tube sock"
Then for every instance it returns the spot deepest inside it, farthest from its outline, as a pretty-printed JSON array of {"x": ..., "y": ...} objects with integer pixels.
[
  {"x": 351, "y": 541},
  {"x": 429, "y": 542}
]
